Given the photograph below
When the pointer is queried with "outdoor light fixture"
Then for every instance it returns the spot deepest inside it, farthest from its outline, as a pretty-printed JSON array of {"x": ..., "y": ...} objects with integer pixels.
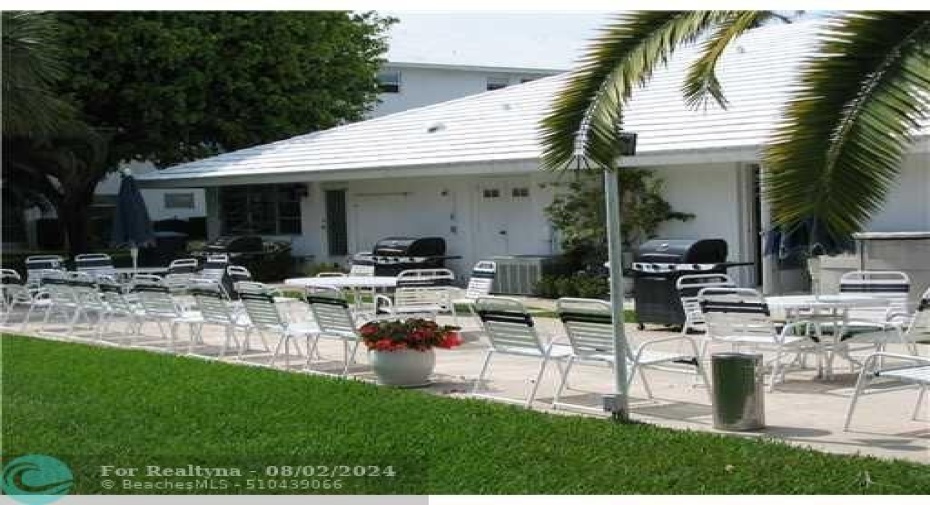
[{"x": 627, "y": 144}]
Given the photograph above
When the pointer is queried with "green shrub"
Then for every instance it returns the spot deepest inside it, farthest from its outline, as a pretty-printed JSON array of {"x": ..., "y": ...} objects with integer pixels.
[{"x": 578, "y": 285}]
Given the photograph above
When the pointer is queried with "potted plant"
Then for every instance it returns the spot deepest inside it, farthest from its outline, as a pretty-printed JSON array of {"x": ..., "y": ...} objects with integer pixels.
[{"x": 401, "y": 351}]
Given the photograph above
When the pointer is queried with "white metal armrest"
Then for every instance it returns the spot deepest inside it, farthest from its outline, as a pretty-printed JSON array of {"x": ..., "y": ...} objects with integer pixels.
[{"x": 645, "y": 345}]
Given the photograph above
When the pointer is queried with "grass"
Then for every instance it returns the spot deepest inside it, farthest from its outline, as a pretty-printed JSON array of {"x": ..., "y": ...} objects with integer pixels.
[{"x": 93, "y": 406}]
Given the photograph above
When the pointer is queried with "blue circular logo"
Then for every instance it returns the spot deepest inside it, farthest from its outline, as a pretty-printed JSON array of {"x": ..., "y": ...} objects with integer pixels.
[{"x": 35, "y": 479}]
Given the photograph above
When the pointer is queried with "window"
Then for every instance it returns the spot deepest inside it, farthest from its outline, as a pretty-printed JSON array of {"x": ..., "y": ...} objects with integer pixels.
[
  {"x": 179, "y": 200},
  {"x": 497, "y": 83},
  {"x": 520, "y": 192},
  {"x": 268, "y": 209},
  {"x": 491, "y": 193},
  {"x": 389, "y": 81}
]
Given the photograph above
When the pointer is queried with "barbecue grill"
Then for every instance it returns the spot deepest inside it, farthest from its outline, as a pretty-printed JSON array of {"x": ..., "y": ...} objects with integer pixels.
[
  {"x": 658, "y": 264},
  {"x": 393, "y": 255}
]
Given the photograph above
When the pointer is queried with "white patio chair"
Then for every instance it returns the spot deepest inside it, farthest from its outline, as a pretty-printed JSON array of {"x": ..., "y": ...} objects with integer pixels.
[
  {"x": 63, "y": 300},
  {"x": 511, "y": 331},
  {"x": 887, "y": 285},
  {"x": 118, "y": 305},
  {"x": 905, "y": 329},
  {"x": 90, "y": 303},
  {"x": 688, "y": 287},
  {"x": 215, "y": 309},
  {"x": 39, "y": 266},
  {"x": 427, "y": 301},
  {"x": 330, "y": 274},
  {"x": 264, "y": 316},
  {"x": 17, "y": 294},
  {"x": 907, "y": 369},
  {"x": 479, "y": 285},
  {"x": 741, "y": 318},
  {"x": 335, "y": 321},
  {"x": 589, "y": 326},
  {"x": 160, "y": 308},
  {"x": 95, "y": 264}
]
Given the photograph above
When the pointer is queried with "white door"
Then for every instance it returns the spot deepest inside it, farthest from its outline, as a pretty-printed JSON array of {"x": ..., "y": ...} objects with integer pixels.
[{"x": 509, "y": 219}]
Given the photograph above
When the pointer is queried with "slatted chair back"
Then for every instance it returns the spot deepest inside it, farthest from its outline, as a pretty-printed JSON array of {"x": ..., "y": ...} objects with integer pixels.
[
  {"x": 737, "y": 312},
  {"x": 155, "y": 296},
  {"x": 234, "y": 275},
  {"x": 259, "y": 304},
  {"x": 38, "y": 266},
  {"x": 589, "y": 326},
  {"x": 508, "y": 325},
  {"x": 330, "y": 274},
  {"x": 426, "y": 277},
  {"x": 362, "y": 265},
  {"x": 13, "y": 288},
  {"x": 183, "y": 266},
  {"x": 689, "y": 286},
  {"x": 481, "y": 280},
  {"x": 95, "y": 264},
  {"x": 889, "y": 285},
  {"x": 55, "y": 283},
  {"x": 84, "y": 289},
  {"x": 331, "y": 312},
  {"x": 211, "y": 301},
  {"x": 113, "y": 295},
  {"x": 919, "y": 328},
  {"x": 428, "y": 298},
  {"x": 215, "y": 266}
]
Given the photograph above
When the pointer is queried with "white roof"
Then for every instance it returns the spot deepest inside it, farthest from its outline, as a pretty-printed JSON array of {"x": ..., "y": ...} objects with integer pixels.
[
  {"x": 502, "y": 126},
  {"x": 512, "y": 40}
]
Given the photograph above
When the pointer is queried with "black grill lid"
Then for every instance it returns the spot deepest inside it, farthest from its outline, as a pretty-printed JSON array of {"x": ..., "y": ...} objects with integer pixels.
[
  {"x": 409, "y": 246},
  {"x": 682, "y": 251},
  {"x": 235, "y": 243}
]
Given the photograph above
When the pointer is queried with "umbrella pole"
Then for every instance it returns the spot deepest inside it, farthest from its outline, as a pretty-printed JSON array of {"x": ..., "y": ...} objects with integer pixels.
[
  {"x": 134, "y": 252},
  {"x": 618, "y": 406}
]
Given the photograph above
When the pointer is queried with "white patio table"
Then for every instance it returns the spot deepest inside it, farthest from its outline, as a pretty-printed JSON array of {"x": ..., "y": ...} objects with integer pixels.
[
  {"x": 353, "y": 283},
  {"x": 821, "y": 310}
]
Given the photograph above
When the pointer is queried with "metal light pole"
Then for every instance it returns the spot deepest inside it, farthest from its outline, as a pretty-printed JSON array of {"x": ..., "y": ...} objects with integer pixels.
[{"x": 618, "y": 404}]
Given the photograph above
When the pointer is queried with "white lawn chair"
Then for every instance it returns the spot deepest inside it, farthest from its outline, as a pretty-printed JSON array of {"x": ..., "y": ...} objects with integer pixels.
[
  {"x": 479, "y": 285},
  {"x": 264, "y": 316},
  {"x": 589, "y": 326},
  {"x": 95, "y": 264},
  {"x": 907, "y": 369},
  {"x": 330, "y": 274},
  {"x": 90, "y": 302},
  {"x": 899, "y": 328},
  {"x": 511, "y": 330},
  {"x": 63, "y": 300},
  {"x": 160, "y": 308},
  {"x": 17, "y": 294},
  {"x": 887, "y": 285},
  {"x": 214, "y": 309},
  {"x": 688, "y": 287},
  {"x": 741, "y": 318},
  {"x": 118, "y": 305},
  {"x": 336, "y": 321},
  {"x": 362, "y": 265},
  {"x": 39, "y": 266}
]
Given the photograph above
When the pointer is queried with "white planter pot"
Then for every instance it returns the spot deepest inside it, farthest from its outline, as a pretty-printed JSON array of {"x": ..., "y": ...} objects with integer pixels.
[{"x": 405, "y": 368}]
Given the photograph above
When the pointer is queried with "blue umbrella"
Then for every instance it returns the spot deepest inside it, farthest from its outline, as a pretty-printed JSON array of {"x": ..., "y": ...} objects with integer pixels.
[{"x": 131, "y": 225}]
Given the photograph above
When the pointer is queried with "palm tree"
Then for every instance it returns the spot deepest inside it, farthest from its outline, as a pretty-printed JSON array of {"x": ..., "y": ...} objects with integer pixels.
[
  {"x": 829, "y": 165},
  {"x": 31, "y": 67}
]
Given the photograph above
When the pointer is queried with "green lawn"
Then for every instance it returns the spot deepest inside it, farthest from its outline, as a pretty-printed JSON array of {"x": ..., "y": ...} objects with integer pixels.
[{"x": 93, "y": 406}]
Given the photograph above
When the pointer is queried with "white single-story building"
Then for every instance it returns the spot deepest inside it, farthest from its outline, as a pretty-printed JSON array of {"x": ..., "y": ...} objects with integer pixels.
[{"x": 468, "y": 169}]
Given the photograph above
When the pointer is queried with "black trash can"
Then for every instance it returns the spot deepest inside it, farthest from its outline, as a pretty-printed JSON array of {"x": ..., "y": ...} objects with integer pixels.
[{"x": 738, "y": 396}]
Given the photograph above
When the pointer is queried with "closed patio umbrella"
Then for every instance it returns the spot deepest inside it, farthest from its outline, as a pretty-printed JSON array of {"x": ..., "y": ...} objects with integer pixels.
[{"x": 131, "y": 224}]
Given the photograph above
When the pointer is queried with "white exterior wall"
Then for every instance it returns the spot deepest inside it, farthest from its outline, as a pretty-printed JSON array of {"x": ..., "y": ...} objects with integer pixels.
[
  {"x": 427, "y": 86},
  {"x": 450, "y": 207},
  {"x": 155, "y": 198},
  {"x": 907, "y": 207}
]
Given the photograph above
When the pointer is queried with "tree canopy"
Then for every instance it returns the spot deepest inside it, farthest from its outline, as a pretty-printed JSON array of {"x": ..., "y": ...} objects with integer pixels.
[{"x": 175, "y": 86}]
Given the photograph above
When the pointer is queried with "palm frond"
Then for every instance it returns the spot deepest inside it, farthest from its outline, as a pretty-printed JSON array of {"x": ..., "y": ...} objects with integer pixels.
[
  {"x": 701, "y": 83},
  {"x": 585, "y": 120},
  {"x": 838, "y": 152}
]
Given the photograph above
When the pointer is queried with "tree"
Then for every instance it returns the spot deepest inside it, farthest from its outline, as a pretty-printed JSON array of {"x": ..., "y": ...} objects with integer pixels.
[
  {"x": 31, "y": 67},
  {"x": 830, "y": 164},
  {"x": 579, "y": 215},
  {"x": 169, "y": 87}
]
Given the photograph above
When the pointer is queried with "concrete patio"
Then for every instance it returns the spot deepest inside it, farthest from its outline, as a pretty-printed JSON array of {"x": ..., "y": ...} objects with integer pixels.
[{"x": 804, "y": 410}]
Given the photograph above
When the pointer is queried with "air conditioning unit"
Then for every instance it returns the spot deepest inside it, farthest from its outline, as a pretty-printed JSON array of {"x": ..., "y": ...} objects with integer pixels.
[{"x": 518, "y": 275}]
